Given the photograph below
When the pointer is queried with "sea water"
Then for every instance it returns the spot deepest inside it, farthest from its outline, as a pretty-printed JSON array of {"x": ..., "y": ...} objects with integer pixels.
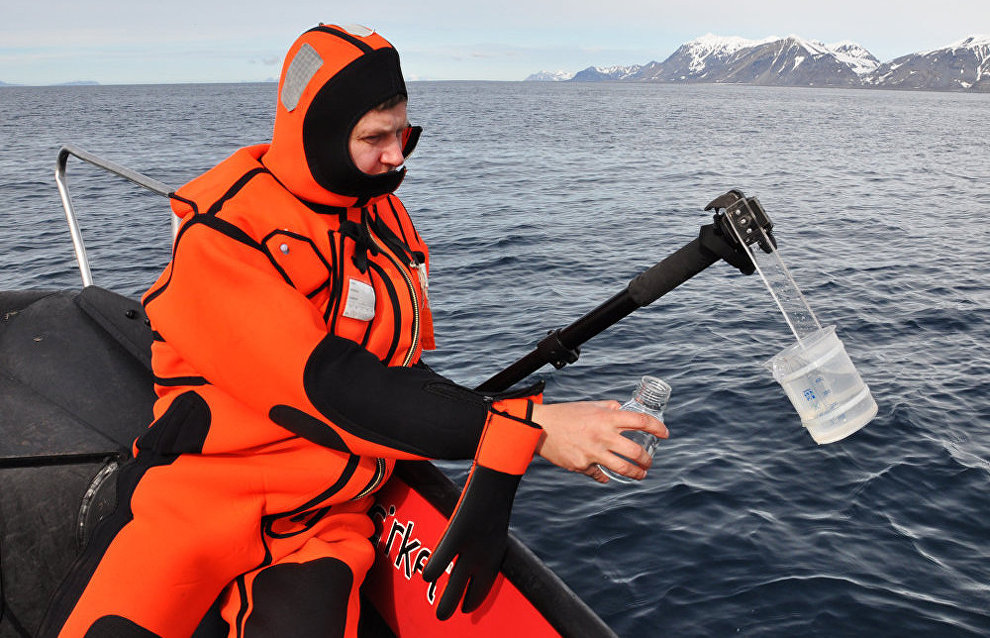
[{"x": 540, "y": 201}]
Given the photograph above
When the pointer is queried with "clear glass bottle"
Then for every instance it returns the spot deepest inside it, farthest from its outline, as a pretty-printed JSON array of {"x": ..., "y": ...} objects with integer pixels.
[{"x": 650, "y": 398}]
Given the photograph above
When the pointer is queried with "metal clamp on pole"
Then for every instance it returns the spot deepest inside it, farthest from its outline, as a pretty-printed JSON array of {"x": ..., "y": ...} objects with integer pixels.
[
  {"x": 747, "y": 216},
  {"x": 554, "y": 352}
]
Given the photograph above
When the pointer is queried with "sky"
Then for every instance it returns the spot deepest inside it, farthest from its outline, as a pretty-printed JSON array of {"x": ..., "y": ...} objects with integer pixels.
[{"x": 139, "y": 41}]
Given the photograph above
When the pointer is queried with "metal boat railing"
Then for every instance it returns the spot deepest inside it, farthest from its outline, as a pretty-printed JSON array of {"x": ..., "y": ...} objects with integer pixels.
[{"x": 70, "y": 215}]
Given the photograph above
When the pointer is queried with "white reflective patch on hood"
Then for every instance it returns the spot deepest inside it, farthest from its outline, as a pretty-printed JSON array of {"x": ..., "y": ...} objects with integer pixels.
[
  {"x": 303, "y": 67},
  {"x": 357, "y": 30}
]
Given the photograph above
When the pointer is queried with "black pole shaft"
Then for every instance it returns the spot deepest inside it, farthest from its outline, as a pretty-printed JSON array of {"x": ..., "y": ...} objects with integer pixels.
[
  {"x": 646, "y": 288},
  {"x": 571, "y": 338}
]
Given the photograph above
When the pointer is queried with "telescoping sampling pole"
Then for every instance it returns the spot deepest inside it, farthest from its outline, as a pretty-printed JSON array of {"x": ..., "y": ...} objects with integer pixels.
[{"x": 715, "y": 241}]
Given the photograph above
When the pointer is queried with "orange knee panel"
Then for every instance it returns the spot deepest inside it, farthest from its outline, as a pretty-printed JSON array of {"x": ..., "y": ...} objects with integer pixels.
[{"x": 191, "y": 527}]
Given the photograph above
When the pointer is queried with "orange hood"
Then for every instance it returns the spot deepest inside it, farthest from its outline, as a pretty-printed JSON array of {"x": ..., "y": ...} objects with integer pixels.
[{"x": 331, "y": 77}]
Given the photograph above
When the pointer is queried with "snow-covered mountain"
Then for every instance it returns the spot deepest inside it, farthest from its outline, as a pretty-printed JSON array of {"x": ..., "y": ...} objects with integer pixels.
[
  {"x": 606, "y": 73},
  {"x": 550, "y": 76},
  {"x": 790, "y": 61},
  {"x": 963, "y": 65},
  {"x": 794, "y": 61},
  {"x": 698, "y": 60},
  {"x": 858, "y": 58}
]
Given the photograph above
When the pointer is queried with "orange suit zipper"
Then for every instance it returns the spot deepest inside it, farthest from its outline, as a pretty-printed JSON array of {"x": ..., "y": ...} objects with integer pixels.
[{"x": 413, "y": 294}]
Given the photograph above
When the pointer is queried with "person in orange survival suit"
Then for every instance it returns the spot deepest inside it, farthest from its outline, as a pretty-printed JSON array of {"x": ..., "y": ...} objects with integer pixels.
[{"x": 288, "y": 329}]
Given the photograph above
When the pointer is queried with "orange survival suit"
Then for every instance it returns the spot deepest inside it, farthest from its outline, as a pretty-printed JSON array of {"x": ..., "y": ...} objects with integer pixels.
[{"x": 288, "y": 329}]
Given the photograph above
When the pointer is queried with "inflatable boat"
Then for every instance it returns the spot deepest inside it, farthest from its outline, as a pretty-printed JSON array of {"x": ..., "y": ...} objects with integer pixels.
[{"x": 76, "y": 390}]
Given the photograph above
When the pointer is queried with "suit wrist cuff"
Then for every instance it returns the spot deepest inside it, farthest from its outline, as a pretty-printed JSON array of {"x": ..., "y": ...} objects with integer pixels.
[{"x": 510, "y": 437}]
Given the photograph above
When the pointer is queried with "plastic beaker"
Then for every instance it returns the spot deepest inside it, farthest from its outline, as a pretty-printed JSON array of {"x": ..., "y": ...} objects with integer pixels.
[{"x": 821, "y": 381}]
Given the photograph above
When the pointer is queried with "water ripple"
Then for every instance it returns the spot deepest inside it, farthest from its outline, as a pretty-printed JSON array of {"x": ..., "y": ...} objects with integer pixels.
[{"x": 535, "y": 215}]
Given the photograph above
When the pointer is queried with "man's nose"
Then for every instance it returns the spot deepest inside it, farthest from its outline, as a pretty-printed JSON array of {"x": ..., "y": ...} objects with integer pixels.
[{"x": 392, "y": 154}]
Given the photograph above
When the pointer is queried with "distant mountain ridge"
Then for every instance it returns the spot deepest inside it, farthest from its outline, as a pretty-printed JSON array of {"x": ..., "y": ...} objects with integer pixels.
[
  {"x": 75, "y": 83},
  {"x": 963, "y": 65},
  {"x": 794, "y": 61},
  {"x": 597, "y": 74}
]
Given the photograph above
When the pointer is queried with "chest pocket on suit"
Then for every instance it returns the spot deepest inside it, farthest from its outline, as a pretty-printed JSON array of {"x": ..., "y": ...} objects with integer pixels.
[{"x": 299, "y": 262}]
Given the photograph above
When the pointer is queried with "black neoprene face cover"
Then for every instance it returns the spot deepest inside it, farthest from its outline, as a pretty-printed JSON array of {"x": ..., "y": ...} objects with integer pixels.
[{"x": 338, "y": 105}]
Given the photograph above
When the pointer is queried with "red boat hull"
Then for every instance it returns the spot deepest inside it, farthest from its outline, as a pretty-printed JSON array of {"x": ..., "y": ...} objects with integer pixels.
[{"x": 408, "y": 530}]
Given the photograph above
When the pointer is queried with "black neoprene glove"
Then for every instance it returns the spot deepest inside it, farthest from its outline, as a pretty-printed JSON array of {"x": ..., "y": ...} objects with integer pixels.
[{"x": 478, "y": 530}]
